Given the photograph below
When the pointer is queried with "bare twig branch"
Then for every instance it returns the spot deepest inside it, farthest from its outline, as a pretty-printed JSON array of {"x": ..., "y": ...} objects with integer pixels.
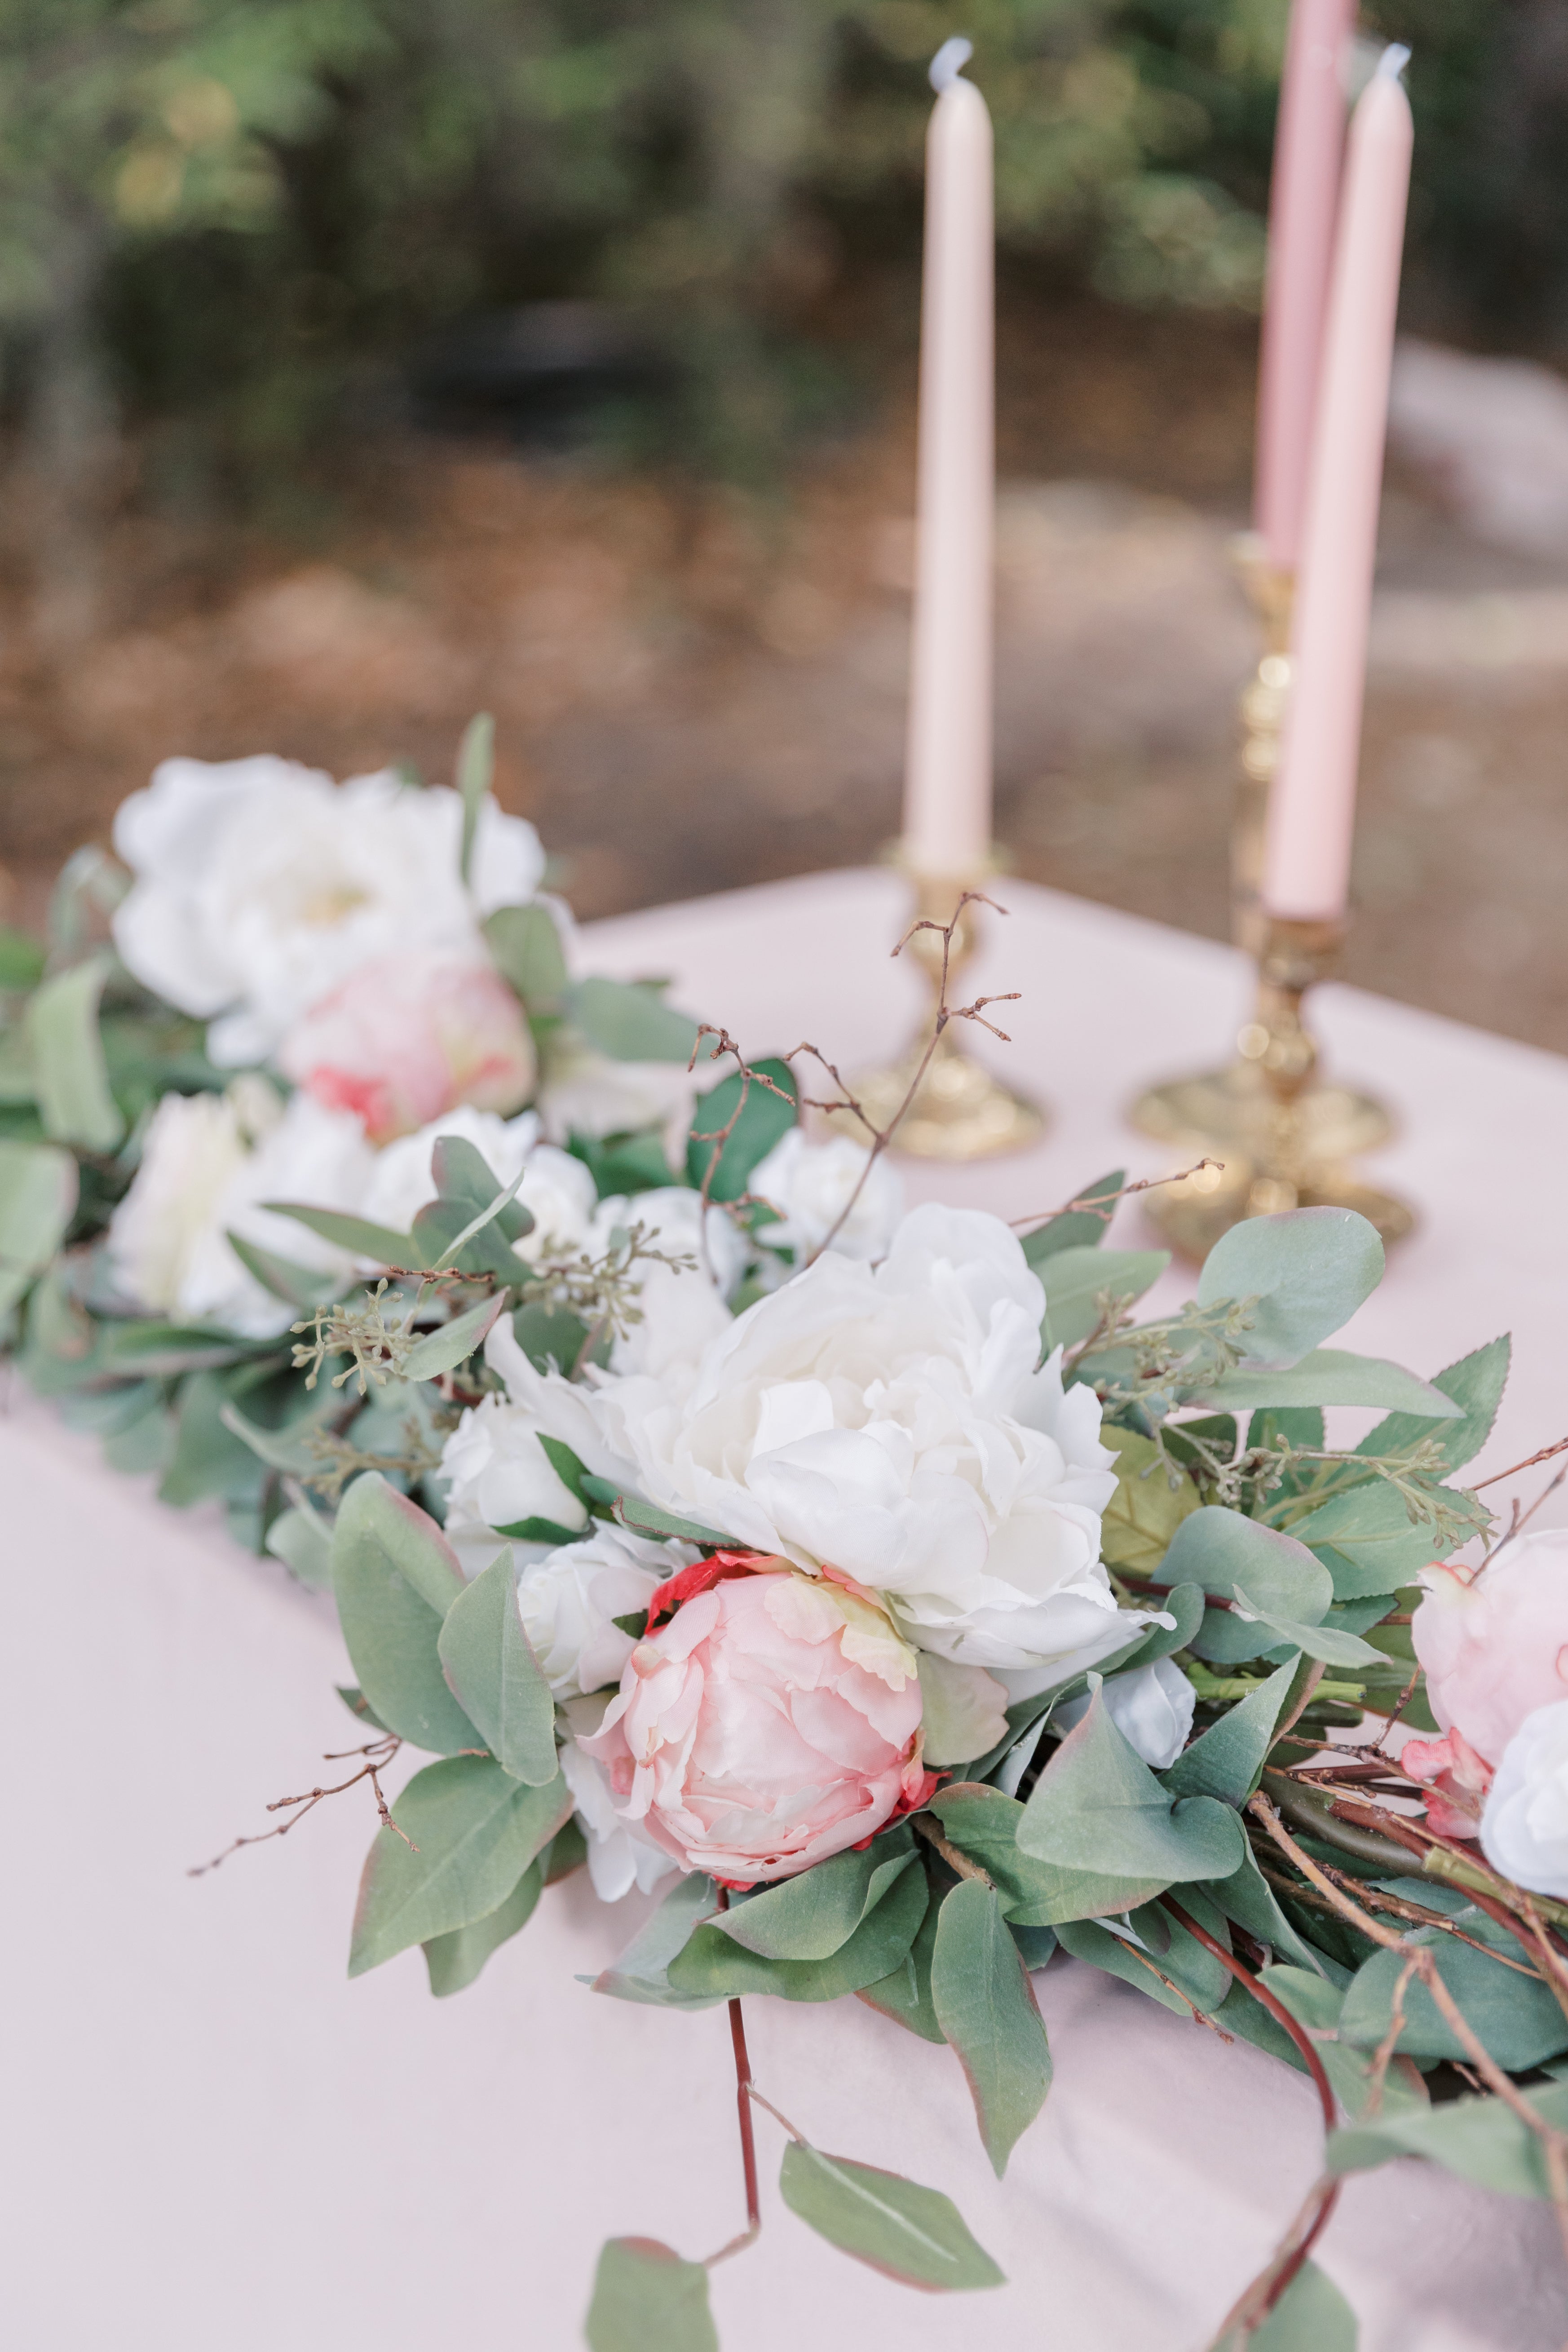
[
  {"x": 1105, "y": 1200},
  {"x": 378, "y": 1754}
]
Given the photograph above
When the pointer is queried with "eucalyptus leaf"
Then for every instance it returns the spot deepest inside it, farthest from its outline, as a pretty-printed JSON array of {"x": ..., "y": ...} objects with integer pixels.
[
  {"x": 1246, "y": 1898},
  {"x": 1076, "y": 1228},
  {"x": 628, "y": 1022},
  {"x": 394, "y": 1576},
  {"x": 296, "y": 1286},
  {"x": 1327, "y": 1642},
  {"x": 302, "y": 1540},
  {"x": 1233, "y": 1558},
  {"x": 472, "y": 1832},
  {"x": 525, "y": 947},
  {"x": 1075, "y": 1279},
  {"x": 489, "y": 1661},
  {"x": 1227, "y": 1759},
  {"x": 984, "y": 1824},
  {"x": 813, "y": 1915},
  {"x": 904, "y": 1993},
  {"x": 908, "y": 2233},
  {"x": 475, "y": 767},
  {"x": 1148, "y": 1506},
  {"x": 444, "y": 1349},
  {"x": 1480, "y": 2139},
  {"x": 1306, "y": 1272},
  {"x": 1097, "y": 1806},
  {"x": 552, "y": 1339},
  {"x": 1517, "y": 2017},
  {"x": 452, "y": 1231},
  {"x": 712, "y": 1962},
  {"x": 647, "y": 1519},
  {"x": 209, "y": 1460},
  {"x": 642, "y": 1972},
  {"x": 986, "y": 2008},
  {"x": 1102, "y": 1948},
  {"x": 455, "y": 1959},
  {"x": 647, "y": 2299},
  {"x": 75, "y": 1101},
  {"x": 37, "y": 1201},
  {"x": 356, "y": 1234},
  {"x": 1312, "y": 2316},
  {"x": 1330, "y": 1376}
]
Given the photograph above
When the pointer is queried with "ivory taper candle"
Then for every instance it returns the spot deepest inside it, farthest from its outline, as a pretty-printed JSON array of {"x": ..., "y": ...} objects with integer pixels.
[
  {"x": 1311, "y": 812},
  {"x": 947, "y": 787},
  {"x": 1303, "y": 203}
]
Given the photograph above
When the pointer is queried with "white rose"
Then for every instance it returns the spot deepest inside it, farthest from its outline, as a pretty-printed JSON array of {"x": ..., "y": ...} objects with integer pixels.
[
  {"x": 898, "y": 1424},
  {"x": 810, "y": 1184},
  {"x": 1151, "y": 1708},
  {"x": 1524, "y": 1826},
  {"x": 619, "y": 1856},
  {"x": 497, "y": 1473},
  {"x": 261, "y": 885},
  {"x": 585, "y": 1092},
  {"x": 208, "y": 1163},
  {"x": 569, "y": 1602}
]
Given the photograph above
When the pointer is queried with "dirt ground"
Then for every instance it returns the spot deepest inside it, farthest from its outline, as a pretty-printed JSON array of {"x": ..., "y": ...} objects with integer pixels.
[{"x": 694, "y": 691}]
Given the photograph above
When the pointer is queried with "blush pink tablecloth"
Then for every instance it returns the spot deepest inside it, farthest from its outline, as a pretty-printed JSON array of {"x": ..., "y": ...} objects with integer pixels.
[{"x": 213, "y": 2140}]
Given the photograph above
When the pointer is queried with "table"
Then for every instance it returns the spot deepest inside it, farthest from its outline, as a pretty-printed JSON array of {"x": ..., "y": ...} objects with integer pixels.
[{"x": 214, "y": 2140}]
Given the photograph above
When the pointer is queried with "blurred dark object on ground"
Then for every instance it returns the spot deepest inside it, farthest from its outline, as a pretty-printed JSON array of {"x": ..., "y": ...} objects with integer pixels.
[{"x": 545, "y": 376}]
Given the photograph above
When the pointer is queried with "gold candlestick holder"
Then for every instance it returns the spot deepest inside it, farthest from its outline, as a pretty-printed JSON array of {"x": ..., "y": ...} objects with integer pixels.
[
  {"x": 1286, "y": 1151},
  {"x": 960, "y": 1110}
]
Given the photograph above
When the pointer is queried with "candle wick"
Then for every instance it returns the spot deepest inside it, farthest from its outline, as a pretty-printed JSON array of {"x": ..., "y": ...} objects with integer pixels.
[
  {"x": 1390, "y": 66},
  {"x": 951, "y": 59}
]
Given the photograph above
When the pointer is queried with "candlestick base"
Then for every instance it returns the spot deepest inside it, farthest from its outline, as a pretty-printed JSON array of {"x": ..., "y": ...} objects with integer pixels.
[
  {"x": 1284, "y": 1138},
  {"x": 959, "y": 1110}
]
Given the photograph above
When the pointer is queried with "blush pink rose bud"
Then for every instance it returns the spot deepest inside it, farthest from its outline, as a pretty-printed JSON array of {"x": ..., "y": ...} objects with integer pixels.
[
  {"x": 1496, "y": 1649},
  {"x": 406, "y": 1038},
  {"x": 775, "y": 1721},
  {"x": 1459, "y": 1779}
]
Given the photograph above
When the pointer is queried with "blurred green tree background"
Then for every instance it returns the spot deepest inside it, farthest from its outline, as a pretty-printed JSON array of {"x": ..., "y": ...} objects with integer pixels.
[{"x": 222, "y": 220}]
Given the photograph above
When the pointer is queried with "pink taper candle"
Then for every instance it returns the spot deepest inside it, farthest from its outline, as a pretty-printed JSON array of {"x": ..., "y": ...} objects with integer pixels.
[
  {"x": 947, "y": 786},
  {"x": 1303, "y": 200},
  {"x": 1311, "y": 809}
]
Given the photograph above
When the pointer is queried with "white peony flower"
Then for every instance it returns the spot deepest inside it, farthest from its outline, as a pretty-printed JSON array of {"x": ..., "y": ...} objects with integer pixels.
[
  {"x": 208, "y": 1163},
  {"x": 261, "y": 885},
  {"x": 1524, "y": 1827},
  {"x": 1151, "y": 1708},
  {"x": 810, "y": 1184},
  {"x": 497, "y": 1473},
  {"x": 898, "y": 1424},
  {"x": 619, "y": 1856},
  {"x": 585, "y": 1092},
  {"x": 570, "y": 1600}
]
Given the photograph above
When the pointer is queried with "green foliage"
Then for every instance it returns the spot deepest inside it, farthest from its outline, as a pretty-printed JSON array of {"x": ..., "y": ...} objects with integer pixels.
[
  {"x": 453, "y": 1343},
  {"x": 1481, "y": 2139},
  {"x": 469, "y": 1832},
  {"x": 904, "y": 1993},
  {"x": 455, "y": 1959},
  {"x": 1077, "y": 1280},
  {"x": 1306, "y": 1273},
  {"x": 910, "y": 2233},
  {"x": 526, "y": 946},
  {"x": 642, "y": 1972},
  {"x": 1227, "y": 1759},
  {"x": 1517, "y": 2017},
  {"x": 1312, "y": 2316},
  {"x": 489, "y": 1661},
  {"x": 629, "y": 1022},
  {"x": 813, "y": 1914},
  {"x": 68, "y": 1068},
  {"x": 38, "y": 1199},
  {"x": 1097, "y": 1807},
  {"x": 1076, "y": 1228},
  {"x": 1150, "y": 1503},
  {"x": 1274, "y": 1577},
  {"x": 378, "y": 1243},
  {"x": 646, "y": 2299},
  {"x": 759, "y": 1127},
  {"x": 712, "y": 1963},
  {"x": 475, "y": 771},
  {"x": 394, "y": 1576},
  {"x": 1333, "y": 1376},
  {"x": 986, "y": 2008},
  {"x": 1474, "y": 1383},
  {"x": 987, "y": 1825}
]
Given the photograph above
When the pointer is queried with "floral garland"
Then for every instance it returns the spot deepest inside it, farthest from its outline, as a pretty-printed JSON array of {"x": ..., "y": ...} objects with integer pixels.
[{"x": 874, "y": 1585}]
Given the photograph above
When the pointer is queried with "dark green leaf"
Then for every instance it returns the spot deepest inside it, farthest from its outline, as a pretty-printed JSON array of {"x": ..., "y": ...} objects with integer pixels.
[
  {"x": 1306, "y": 1272},
  {"x": 628, "y": 1022},
  {"x": 637, "y": 1161},
  {"x": 538, "y": 1530},
  {"x": 904, "y": 1993},
  {"x": 910, "y": 2233},
  {"x": 526, "y": 947},
  {"x": 1475, "y": 1383},
  {"x": 37, "y": 1201},
  {"x": 356, "y": 1234},
  {"x": 489, "y": 1661},
  {"x": 1076, "y": 1228},
  {"x": 1246, "y": 1898},
  {"x": 474, "y": 1830},
  {"x": 395, "y": 1576},
  {"x": 646, "y": 2299},
  {"x": 476, "y": 766},
  {"x": 1076, "y": 1280},
  {"x": 455, "y": 1959},
  {"x": 571, "y": 1470},
  {"x": 983, "y": 1823},
  {"x": 1517, "y": 2017},
  {"x": 986, "y": 2008},
  {"x": 712, "y": 1962},
  {"x": 764, "y": 1119},
  {"x": 1097, "y": 1807},
  {"x": 813, "y": 1915},
  {"x": 72, "y": 1079}
]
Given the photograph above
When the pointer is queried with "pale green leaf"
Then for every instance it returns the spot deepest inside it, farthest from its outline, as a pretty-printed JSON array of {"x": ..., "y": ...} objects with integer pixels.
[
  {"x": 1227, "y": 1759},
  {"x": 1330, "y": 1643},
  {"x": 646, "y": 2299},
  {"x": 984, "y": 1824},
  {"x": 455, "y": 1959},
  {"x": 476, "y": 766},
  {"x": 986, "y": 2008},
  {"x": 1330, "y": 1376},
  {"x": 913, "y": 2234},
  {"x": 37, "y": 1201},
  {"x": 443, "y": 1351},
  {"x": 1517, "y": 2017},
  {"x": 904, "y": 1993},
  {"x": 811, "y": 1916},
  {"x": 1368, "y": 1541},
  {"x": 302, "y": 1540},
  {"x": 526, "y": 946},
  {"x": 1076, "y": 1228},
  {"x": 489, "y": 1661},
  {"x": 394, "y": 1576},
  {"x": 296, "y": 1286},
  {"x": 1480, "y": 2139},
  {"x": 628, "y": 1022},
  {"x": 1075, "y": 1279},
  {"x": 1097, "y": 1807},
  {"x": 472, "y": 1832},
  {"x": 1312, "y": 2316},
  {"x": 1306, "y": 1273},
  {"x": 75, "y": 1103},
  {"x": 642, "y": 1971},
  {"x": 355, "y": 1234},
  {"x": 712, "y": 1962},
  {"x": 1148, "y": 1506},
  {"x": 1475, "y": 1384}
]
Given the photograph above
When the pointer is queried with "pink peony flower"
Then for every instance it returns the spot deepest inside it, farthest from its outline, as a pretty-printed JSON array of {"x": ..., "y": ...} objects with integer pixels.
[
  {"x": 1496, "y": 1649},
  {"x": 776, "y": 1720},
  {"x": 406, "y": 1038}
]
